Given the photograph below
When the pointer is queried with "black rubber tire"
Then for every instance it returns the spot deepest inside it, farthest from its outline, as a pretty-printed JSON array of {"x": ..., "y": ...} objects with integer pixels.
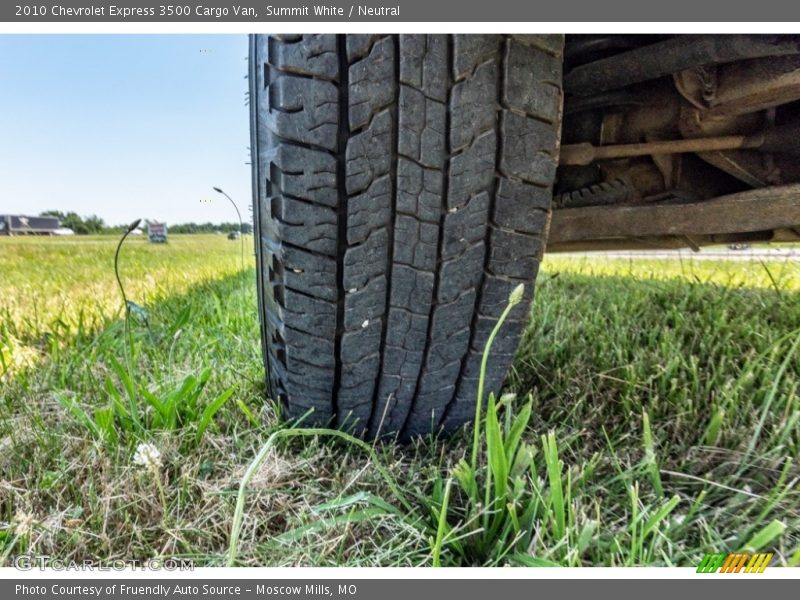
[{"x": 402, "y": 188}]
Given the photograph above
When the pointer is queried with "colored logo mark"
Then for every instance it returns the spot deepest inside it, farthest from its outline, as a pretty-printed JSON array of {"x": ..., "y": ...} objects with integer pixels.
[{"x": 738, "y": 562}]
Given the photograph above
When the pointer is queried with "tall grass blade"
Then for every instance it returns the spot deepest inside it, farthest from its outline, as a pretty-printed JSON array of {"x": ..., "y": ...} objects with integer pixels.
[
  {"x": 650, "y": 456},
  {"x": 661, "y": 514},
  {"x": 514, "y": 298},
  {"x": 325, "y": 523},
  {"x": 766, "y": 535},
  {"x": 714, "y": 428},
  {"x": 525, "y": 560},
  {"x": 129, "y": 346},
  {"x": 773, "y": 392},
  {"x": 210, "y": 411},
  {"x": 553, "y": 465},
  {"x": 79, "y": 414},
  {"x": 518, "y": 426},
  {"x": 442, "y": 525},
  {"x": 495, "y": 453}
]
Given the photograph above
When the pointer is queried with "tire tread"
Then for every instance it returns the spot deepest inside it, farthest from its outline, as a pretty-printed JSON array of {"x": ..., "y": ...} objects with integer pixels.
[{"x": 402, "y": 189}]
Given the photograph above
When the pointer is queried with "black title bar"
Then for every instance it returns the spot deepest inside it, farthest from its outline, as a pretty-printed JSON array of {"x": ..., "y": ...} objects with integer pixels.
[{"x": 397, "y": 11}]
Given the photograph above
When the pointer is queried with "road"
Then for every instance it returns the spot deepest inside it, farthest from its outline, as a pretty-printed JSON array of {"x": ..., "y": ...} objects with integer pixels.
[{"x": 760, "y": 253}]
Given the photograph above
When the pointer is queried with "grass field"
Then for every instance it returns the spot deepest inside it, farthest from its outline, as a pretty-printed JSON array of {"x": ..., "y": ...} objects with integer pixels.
[{"x": 665, "y": 422}]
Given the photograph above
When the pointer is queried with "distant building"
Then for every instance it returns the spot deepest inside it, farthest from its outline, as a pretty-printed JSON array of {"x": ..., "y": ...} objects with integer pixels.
[{"x": 23, "y": 225}]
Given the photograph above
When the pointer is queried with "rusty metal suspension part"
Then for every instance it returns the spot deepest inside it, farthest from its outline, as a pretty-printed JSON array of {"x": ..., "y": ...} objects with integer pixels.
[{"x": 777, "y": 139}]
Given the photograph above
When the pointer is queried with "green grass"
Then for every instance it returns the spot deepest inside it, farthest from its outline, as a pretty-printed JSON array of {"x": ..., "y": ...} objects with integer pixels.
[
  {"x": 778, "y": 275},
  {"x": 656, "y": 418},
  {"x": 54, "y": 289}
]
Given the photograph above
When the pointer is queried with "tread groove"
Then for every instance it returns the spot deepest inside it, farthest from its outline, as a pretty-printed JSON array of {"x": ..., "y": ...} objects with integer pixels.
[
  {"x": 486, "y": 255},
  {"x": 374, "y": 414},
  {"x": 437, "y": 272},
  {"x": 343, "y": 133}
]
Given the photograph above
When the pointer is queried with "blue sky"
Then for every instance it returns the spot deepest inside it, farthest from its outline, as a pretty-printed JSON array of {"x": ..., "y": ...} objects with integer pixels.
[{"x": 124, "y": 126}]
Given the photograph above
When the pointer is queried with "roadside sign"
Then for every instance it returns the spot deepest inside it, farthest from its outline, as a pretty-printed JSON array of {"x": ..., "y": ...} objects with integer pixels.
[{"x": 157, "y": 232}]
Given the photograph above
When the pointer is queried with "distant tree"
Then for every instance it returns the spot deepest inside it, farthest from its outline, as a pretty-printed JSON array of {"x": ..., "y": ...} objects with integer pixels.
[
  {"x": 208, "y": 227},
  {"x": 74, "y": 221},
  {"x": 53, "y": 213},
  {"x": 94, "y": 224}
]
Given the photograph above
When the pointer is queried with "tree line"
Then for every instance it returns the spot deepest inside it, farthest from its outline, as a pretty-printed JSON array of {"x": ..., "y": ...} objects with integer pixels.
[
  {"x": 78, "y": 224},
  {"x": 93, "y": 225}
]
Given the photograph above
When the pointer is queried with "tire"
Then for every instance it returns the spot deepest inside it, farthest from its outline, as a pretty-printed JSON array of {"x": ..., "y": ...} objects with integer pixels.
[{"x": 402, "y": 188}]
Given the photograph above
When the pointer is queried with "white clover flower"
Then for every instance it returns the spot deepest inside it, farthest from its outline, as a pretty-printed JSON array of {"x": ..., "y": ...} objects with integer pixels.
[{"x": 147, "y": 455}]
